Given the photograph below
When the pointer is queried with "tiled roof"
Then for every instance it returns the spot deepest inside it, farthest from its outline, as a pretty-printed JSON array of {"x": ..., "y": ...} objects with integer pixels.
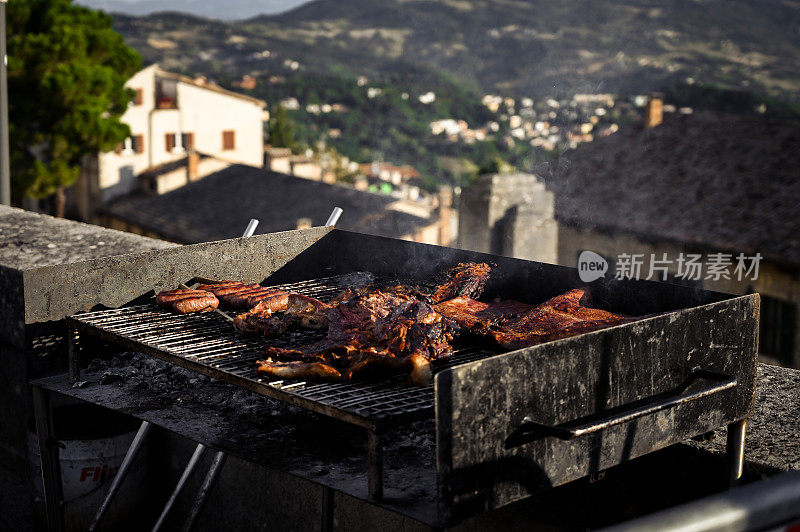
[
  {"x": 220, "y": 205},
  {"x": 209, "y": 86},
  {"x": 709, "y": 181}
]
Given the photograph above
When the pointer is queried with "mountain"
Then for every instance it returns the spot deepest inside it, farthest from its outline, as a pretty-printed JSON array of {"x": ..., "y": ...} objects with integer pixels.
[
  {"x": 510, "y": 46},
  {"x": 233, "y": 9}
]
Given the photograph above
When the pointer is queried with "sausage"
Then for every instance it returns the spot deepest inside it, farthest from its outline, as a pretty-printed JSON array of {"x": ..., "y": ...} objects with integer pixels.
[
  {"x": 239, "y": 299},
  {"x": 165, "y": 298},
  {"x": 196, "y": 304},
  {"x": 274, "y": 300},
  {"x": 228, "y": 289}
]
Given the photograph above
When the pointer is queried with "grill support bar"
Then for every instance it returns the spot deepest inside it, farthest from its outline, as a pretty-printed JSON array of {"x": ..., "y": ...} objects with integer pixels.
[
  {"x": 202, "y": 495},
  {"x": 734, "y": 447},
  {"x": 375, "y": 464},
  {"x": 133, "y": 450},
  {"x": 199, "y": 451},
  {"x": 73, "y": 355}
]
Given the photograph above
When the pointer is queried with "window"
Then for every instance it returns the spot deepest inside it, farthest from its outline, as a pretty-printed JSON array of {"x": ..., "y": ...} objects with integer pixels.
[
  {"x": 228, "y": 140},
  {"x": 778, "y": 319},
  {"x": 169, "y": 139},
  {"x": 139, "y": 98},
  {"x": 188, "y": 141},
  {"x": 119, "y": 148},
  {"x": 137, "y": 142}
]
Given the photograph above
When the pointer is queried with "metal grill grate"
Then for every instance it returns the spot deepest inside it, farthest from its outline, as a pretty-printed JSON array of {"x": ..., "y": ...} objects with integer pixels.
[{"x": 206, "y": 343}]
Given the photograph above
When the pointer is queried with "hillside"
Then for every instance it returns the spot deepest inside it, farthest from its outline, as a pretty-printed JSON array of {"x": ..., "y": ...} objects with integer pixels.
[{"x": 509, "y": 46}]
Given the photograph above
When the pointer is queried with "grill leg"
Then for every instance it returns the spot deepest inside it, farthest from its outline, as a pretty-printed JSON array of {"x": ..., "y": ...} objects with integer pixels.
[
  {"x": 735, "y": 450},
  {"x": 202, "y": 495},
  {"x": 190, "y": 467},
  {"x": 375, "y": 460},
  {"x": 327, "y": 509},
  {"x": 122, "y": 472},
  {"x": 74, "y": 355},
  {"x": 48, "y": 456}
]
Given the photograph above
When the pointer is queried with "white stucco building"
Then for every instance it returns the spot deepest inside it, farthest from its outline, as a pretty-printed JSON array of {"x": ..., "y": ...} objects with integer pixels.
[{"x": 171, "y": 117}]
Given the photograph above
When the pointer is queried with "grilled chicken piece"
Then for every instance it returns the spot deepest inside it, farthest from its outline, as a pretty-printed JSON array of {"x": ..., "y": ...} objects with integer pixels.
[
  {"x": 560, "y": 317},
  {"x": 466, "y": 279},
  {"x": 257, "y": 319},
  {"x": 477, "y": 316},
  {"x": 362, "y": 364},
  {"x": 186, "y": 301},
  {"x": 300, "y": 311},
  {"x": 298, "y": 370}
]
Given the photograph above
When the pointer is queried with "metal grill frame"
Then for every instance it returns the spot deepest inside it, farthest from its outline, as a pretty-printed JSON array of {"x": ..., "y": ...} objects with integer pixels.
[{"x": 293, "y": 256}]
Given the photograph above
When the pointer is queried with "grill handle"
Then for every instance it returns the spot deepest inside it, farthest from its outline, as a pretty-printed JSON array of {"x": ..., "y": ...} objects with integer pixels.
[{"x": 700, "y": 383}]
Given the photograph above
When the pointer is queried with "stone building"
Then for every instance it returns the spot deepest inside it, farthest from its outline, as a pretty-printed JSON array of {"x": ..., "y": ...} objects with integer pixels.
[
  {"x": 702, "y": 184},
  {"x": 181, "y": 129}
]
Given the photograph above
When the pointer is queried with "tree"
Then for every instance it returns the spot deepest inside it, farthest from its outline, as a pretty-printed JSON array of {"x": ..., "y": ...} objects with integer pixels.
[
  {"x": 281, "y": 129},
  {"x": 66, "y": 73}
]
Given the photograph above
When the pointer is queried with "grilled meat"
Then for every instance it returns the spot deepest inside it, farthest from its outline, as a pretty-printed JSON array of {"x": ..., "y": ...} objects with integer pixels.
[
  {"x": 186, "y": 301},
  {"x": 240, "y": 295},
  {"x": 560, "y": 317},
  {"x": 372, "y": 331},
  {"x": 466, "y": 279},
  {"x": 301, "y": 311},
  {"x": 377, "y": 331},
  {"x": 477, "y": 316}
]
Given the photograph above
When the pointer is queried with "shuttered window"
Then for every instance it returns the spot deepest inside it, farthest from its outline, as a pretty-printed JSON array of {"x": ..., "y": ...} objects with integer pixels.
[
  {"x": 169, "y": 140},
  {"x": 188, "y": 141},
  {"x": 138, "y": 143},
  {"x": 139, "y": 99},
  {"x": 229, "y": 140}
]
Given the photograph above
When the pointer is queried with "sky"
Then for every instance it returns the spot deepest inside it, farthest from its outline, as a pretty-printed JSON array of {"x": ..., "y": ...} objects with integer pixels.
[{"x": 227, "y": 10}]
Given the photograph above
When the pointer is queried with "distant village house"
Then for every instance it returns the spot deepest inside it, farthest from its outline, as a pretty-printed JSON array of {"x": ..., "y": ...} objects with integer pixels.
[{"x": 182, "y": 129}]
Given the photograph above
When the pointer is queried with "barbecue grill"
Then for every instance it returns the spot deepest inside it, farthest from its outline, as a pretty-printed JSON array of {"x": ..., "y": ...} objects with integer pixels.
[{"x": 508, "y": 424}]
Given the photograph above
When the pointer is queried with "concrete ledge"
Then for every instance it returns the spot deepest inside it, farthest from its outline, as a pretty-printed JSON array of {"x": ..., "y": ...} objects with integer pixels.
[
  {"x": 30, "y": 240},
  {"x": 772, "y": 443}
]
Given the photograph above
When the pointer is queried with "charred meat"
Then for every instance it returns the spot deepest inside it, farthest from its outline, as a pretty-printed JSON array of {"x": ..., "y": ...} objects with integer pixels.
[
  {"x": 560, "y": 317},
  {"x": 300, "y": 311},
  {"x": 466, "y": 279},
  {"x": 369, "y": 331},
  {"x": 478, "y": 317}
]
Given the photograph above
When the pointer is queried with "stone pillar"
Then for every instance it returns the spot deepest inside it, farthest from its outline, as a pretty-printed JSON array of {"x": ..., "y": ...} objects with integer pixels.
[{"x": 509, "y": 214}]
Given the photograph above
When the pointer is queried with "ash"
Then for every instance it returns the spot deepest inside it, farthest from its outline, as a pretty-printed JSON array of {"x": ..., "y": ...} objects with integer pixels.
[{"x": 259, "y": 428}]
